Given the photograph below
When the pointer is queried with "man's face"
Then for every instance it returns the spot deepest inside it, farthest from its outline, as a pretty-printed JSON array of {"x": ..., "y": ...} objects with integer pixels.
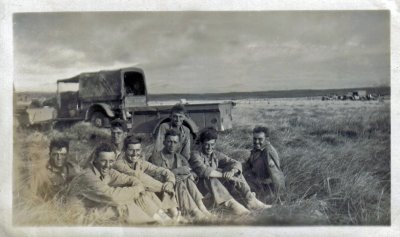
[
  {"x": 177, "y": 119},
  {"x": 133, "y": 151},
  {"x": 117, "y": 135},
  {"x": 58, "y": 157},
  {"x": 258, "y": 140},
  {"x": 104, "y": 161},
  {"x": 171, "y": 144},
  {"x": 208, "y": 146}
]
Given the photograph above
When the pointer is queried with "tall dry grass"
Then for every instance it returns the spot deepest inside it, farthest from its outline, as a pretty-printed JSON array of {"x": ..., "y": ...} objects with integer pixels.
[
  {"x": 335, "y": 156},
  {"x": 335, "y": 153}
]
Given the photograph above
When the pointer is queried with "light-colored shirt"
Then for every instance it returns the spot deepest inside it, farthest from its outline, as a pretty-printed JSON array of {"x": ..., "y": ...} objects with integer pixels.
[{"x": 184, "y": 138}]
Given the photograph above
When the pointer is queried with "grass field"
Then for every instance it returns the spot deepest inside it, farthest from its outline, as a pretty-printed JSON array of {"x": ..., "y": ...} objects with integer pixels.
[{"x": 335, "y": 156}]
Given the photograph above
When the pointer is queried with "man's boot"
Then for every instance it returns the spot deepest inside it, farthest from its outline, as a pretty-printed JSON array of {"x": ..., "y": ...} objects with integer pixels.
[
  {"x": 203, "y": 208},
  {"x": 173, "y": 213},
  {"x": 254, "y": 204},
  {"x": 162, "y": 218},
  {"x": 198, "y": 215},
  {"x": 236, "y": 207}
]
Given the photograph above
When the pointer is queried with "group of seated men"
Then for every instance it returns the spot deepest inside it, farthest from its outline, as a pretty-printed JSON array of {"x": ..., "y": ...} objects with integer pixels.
[{"x": 118, "y": 182}]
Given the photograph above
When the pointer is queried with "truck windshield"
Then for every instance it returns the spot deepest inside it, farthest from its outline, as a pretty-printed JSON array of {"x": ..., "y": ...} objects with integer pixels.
[{"x": 134, "y": 84}]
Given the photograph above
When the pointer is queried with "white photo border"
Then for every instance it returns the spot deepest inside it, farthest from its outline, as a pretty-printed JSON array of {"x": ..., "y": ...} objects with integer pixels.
[{"x": 8, "y": 7}]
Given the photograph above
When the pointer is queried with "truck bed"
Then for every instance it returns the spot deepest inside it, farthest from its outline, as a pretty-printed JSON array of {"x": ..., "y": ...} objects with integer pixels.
[{"x": 165, "y": 106}]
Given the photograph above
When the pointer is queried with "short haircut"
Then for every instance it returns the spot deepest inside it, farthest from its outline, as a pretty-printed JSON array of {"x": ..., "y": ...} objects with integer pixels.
[
  {"x": 119, "y": 123},
  {"x": 59, "y": 144},
  {"x": 132, "y": 140},
  {"x": 178, "y": 108},
  {"x": 208, "y": 134},
  {"x": 261, "y": 129},
  {"x": 171, "y": 132},
  {"x": 104, "y": 147}
]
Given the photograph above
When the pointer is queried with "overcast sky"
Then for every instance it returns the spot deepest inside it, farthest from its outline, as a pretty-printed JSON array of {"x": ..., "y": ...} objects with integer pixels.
[{"x": 197, "y": 52}]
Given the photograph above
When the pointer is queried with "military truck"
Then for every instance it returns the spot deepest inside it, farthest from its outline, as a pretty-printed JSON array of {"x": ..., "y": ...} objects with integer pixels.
[{"x": 100, "y": 97}]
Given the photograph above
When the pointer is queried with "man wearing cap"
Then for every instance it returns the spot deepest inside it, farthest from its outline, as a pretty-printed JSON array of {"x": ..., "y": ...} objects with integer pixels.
[
  {"x": 262, "y": 170},
  {"x": 188, "y": 196},
  {"x": 220, "y": 176},
  {"x": 50, "y": 181},
  {"x": 156, "y": 179},
  {"x": 177, "y": 116}
]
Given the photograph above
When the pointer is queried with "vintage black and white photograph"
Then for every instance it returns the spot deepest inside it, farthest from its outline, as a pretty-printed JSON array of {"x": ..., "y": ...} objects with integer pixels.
[{"x": 201, "y": 118}]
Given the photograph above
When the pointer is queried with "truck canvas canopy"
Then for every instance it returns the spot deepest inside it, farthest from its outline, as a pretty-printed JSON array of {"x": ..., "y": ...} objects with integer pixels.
[{"x": 103, "y": 85}]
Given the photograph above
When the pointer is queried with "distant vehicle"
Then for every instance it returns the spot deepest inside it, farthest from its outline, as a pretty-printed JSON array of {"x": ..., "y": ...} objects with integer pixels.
[
  {"x": 100, "y": 97},
  {"x": 351, "y": 95}
]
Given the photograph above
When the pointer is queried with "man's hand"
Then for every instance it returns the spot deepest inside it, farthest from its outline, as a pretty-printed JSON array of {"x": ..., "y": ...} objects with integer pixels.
[
  {"x": 168, "y": 187},
  {"x": 182, "y": 170},
  {"x": 230, "y": 174},
  {"x": 140, "y": 190},
  {"x": 193, "y": 176}
]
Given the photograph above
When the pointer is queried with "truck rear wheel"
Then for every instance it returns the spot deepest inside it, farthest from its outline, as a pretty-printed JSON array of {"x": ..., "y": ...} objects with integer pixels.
[{"x": 99, "y": 120}]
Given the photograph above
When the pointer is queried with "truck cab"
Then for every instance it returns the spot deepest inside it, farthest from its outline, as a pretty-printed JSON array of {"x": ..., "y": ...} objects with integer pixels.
[{"x": 101, "y": 96}]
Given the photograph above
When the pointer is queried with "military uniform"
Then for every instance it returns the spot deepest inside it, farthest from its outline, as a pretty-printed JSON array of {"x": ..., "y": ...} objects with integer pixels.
[
  {"x": 221, "y": 189},
  {"x": 150, "y": 175},
  {"x": 263, "y": 171},
  {"x": 115, "y": 197},
  {"x": 184, "y": 139},
  {"x": 49, "y": 182},
  {"x": 187, "y": 194}
]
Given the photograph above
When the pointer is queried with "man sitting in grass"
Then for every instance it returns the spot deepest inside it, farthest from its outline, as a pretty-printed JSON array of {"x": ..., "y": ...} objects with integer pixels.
[
  {"x": 188, "y": 196},
  {"x": 220, "y": 176},
  {"x": 132, "y": 163},
  {"x": 177, "y": 116},
  {"x": 108, "y": 195},
  {"x": 119, "y": 132},
  {"x": 50, "y": 181},
  {"x": 262, "y": 170}
]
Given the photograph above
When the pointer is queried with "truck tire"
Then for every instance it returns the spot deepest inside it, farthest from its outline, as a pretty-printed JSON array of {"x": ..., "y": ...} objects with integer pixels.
[{"x": 99, "y": 119}]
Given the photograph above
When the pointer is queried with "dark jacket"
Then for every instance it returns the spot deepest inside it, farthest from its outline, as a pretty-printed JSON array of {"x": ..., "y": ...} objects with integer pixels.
[
  {"x": 203, "y": 165},
  {"x": 271, "y": 163}
]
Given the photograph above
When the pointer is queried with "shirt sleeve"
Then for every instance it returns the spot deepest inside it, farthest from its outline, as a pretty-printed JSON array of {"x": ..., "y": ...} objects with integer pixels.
[
  {"x": 246, "y": 166},
  {"x": 158, "y": 146},
  {"x": 122, "y": 167},
  {"x": 96, "y": 190},
  {"x": 185, "y": 161},
  {"x": 274, "y": 154},
  {"x": 197, "y": 163},
  {"x": 186, "y": 144},
  {"x": 277, "y": 176},
  {"x": 228, "y": 163},
  {"x": 155, "y": 171},
  {"x": 180, "y": 170}
]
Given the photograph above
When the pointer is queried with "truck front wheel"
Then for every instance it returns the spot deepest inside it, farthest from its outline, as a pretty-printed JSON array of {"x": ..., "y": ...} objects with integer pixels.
[{"x": 99, "y": 120}]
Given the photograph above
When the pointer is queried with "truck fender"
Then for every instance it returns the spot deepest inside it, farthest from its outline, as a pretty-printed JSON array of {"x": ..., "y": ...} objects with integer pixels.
[
  {"x": 188, "y": 122},
  {"x": 99, "y": 107}
]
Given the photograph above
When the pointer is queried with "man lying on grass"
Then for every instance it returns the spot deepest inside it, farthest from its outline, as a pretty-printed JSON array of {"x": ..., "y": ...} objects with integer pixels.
[
  {"x": 110, "y": 196},
  {"x": 156, "y": 179},
  {"x": 188, "y": 196},
  {"x": 220, "y": 176},
  {"x": 262, "y": 170},
  {"x": 50, "y": 181}
]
